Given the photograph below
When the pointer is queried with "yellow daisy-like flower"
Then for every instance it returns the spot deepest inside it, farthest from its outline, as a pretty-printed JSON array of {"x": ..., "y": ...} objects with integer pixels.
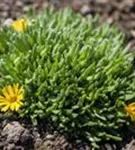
[
  {"x": 12, "y": 98},
  {"x": 20, "y": 25},
  {"x": 130, "y": 109}
]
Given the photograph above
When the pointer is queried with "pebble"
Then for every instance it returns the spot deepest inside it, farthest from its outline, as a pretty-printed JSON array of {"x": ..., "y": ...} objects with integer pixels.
[
  {"x": 50, "y": 137},
  {"x": 133, "y": 33},
  {"x": 38, "y": 142},
  {"x": 4, "y": 14},
  {"x": 26, "y": 9},
  {"x": 11, "y": 147},
  {"x": 12, "y": 132},
  {"x": 108, "y": 147},
  {"x": 1, "y": 145},
  {"x": 19, "y": 3},
  {"x": 8, "y": 22},
  {"x": 85, "y": 9}
]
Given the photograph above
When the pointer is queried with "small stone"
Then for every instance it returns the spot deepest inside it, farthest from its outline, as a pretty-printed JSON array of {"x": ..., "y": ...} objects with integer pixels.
[
  {"x": 12, "y": 132},
  {"x": 48, "y": 143},
  {"x": 77, "y": 4},
  {"x": 103, "y": 2},
  {"x": 131, "y": 46},
  {"x": 25, "y": 137},
  {"x": 19, "y": 148},
  {"x": 85, "y": 9},
  {"x": 63, "y": 141},
  {"x": 56, "y": 133},
  {"x": 2, "y": 5},
  {"x": 26, "y": 8},
  {"x": 78, "y": 141},
  {"x": 133, "y": 33},
  {"x": 50, "y": 137},
  {"x": 6, "y": 8},
  {"x": 65, "y": 145},
  {"x": 4, "y": 123},
  {"x": 36, "y": 134},
  {"x": 45, "y": 5},
  {"x": 110, "y": 20},
  {"x": 4, "y": 14},
  {"x": 87, "y": 147},
  {"x": 70, "y": 146},
  {"x": 8, "y": 22},
  {"x": 81, "y": 148},
  {"x": 19, "y": 3},
  {"x": 11, "y": 146},
  {"x": 114, "y": 146},
  {"x": 38, "y": 143},
  {"x": 108, "y": 147},
  {"x": 131, "y": 145},
  {"x": 1, "y": 145}
]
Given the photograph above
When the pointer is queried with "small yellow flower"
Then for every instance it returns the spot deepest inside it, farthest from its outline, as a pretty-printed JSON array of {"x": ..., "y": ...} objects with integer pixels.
[
  {"x": 130, "y": 109},
  {"x": 12, "y": 98},
  {"x": 20, "y": 25}
]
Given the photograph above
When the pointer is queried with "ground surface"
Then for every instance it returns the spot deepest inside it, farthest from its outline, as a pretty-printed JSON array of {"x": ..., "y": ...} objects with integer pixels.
[{"x": 23, "y": 136}]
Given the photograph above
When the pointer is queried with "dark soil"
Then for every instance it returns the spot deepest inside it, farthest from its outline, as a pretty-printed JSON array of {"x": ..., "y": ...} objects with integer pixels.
[{"x": 20, "y": 135}]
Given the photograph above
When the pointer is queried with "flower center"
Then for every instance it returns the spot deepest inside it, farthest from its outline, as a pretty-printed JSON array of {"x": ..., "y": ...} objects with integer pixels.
[{"x": 13, "y": 99}]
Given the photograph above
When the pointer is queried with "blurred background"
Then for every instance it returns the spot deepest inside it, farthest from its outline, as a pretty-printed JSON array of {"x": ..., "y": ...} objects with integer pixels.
[{"x": 120, "y": 12}]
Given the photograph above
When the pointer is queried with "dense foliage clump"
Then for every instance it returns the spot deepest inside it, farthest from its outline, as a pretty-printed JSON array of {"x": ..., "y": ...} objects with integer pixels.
[{"x": 74, "y": 73}]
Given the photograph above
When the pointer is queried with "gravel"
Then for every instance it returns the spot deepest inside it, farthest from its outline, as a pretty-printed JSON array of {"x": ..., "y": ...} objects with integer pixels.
[{"x": 20, "y": 135}]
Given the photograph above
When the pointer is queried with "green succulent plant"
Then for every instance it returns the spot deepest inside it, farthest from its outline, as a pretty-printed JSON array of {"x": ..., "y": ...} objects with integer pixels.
[{"x": 74, "y": 72}]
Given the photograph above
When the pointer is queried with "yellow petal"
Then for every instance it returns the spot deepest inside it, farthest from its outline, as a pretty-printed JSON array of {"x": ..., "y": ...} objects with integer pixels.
[
  {"x": 20, "y": 103},
  {"x": 10, "y": 90},
  {"x": 19, "y": 25},
  {"x": 20, "y": 97},
  {"x": 132, "y": 104},
  {"x": 2, "y": 103},
  {"x": 16, "y": 88},
  {"x": 1, "y": 97},
  {"x": 12, "y": 106},
  {"x": 17, "y": 107},
  {"x": 4, "y": 109},
  {"x": 5, "y": 93},
  {"x": 132, "y": 117},
  {"x": 20, "y": 90}
]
